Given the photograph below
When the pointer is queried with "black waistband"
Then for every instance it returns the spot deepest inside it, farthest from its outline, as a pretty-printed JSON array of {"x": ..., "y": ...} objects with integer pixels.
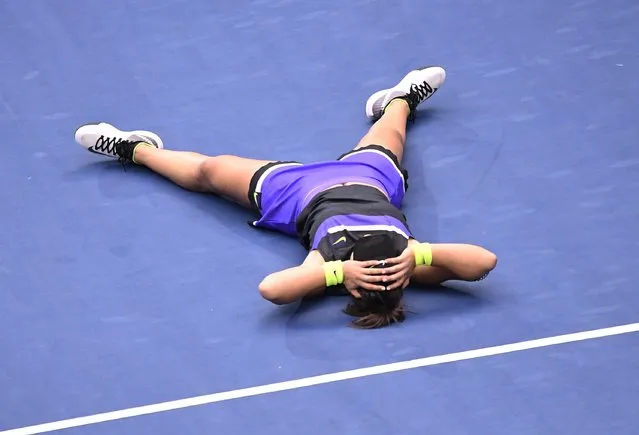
[{"x": 344, "y": 200}]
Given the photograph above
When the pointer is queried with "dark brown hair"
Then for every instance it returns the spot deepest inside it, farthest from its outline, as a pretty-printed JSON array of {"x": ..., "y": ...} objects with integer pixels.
[{"x": 376, "y": 309}]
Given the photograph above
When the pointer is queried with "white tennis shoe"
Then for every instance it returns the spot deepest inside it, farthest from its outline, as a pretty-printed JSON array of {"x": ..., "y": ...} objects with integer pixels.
[
  {"x": 107, "y": 140},
  {"x": 415, "y": 88}
]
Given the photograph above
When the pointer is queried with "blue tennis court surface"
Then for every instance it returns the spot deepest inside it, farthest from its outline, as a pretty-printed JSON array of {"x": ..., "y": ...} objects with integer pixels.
[
  {"x": 503, "y": 394},
  {"x": 118, "y": 289}
]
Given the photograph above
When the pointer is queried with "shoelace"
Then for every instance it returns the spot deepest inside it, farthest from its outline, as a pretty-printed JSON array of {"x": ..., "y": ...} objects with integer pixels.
[
  {"x": 113, "y": 145},
  {"x": 420, "y": 92},
  {"x": 107, "y": 144}
]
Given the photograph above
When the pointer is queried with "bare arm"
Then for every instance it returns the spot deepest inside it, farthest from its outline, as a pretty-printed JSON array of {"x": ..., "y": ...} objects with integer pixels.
[
  {"x": 295, "y": 283},
  {"x": 431, "y": 275},
  {"x": 309, "y": 279},
  {"x": 455, "y": 261}
]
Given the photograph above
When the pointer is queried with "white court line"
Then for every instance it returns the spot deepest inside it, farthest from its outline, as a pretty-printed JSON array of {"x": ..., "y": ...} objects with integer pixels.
[{"x": 323, "y": 379}]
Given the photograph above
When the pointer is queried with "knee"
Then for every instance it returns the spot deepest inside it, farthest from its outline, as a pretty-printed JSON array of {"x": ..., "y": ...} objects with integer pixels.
[
  {"x": 208, "y": 166},
  {"x": 386, "y": 135},
  {"x": 208, "y": 171}
]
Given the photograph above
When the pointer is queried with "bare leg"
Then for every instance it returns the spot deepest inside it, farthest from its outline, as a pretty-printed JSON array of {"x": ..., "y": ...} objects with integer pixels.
[
  {"x": 227, "y": 176},
  {"x": 390, "y": 130}
]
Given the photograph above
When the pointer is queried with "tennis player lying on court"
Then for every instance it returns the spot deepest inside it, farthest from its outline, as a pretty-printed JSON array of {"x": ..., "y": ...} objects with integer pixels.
[{"x": 345, "y": 212}]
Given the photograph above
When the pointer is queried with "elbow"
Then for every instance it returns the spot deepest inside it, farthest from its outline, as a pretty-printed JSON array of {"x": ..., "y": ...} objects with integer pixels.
[
  {"x": 487, "y": 263},
  {"x": 269, "y": 292},
  {"x": 490, "y": 262}
]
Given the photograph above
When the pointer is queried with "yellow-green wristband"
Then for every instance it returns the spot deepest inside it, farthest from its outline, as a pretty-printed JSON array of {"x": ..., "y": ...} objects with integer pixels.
[
  {"x": 423, "y": 254},
  {"x": 334, "y": 273}
]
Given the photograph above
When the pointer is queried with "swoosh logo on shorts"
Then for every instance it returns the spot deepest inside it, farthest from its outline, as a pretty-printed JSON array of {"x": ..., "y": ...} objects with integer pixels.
[{"x": 341, "y": 239}]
